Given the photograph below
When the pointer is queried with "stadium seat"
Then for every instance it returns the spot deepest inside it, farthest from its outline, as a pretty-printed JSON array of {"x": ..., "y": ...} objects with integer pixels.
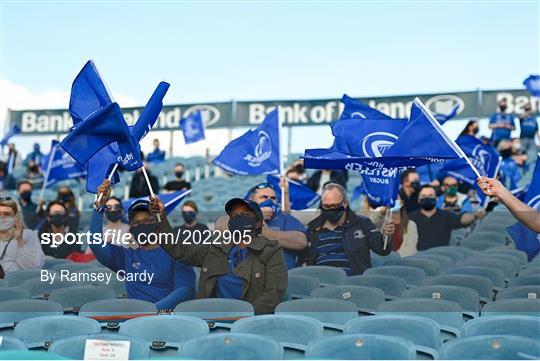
[
  {"x": 477, "y": 245},
  {"x": 73, "y": 298},
  {"x": 365, "y": 298},
  {"x": 50, "y": 262},
  {"x": 221, "y": 311},
  {"x": 299, "y": 286},
  {"x": 378, "y": 260},
  {"x": 13, "y": 293},
  {"x": 231, "y": 346},
  {"x": 39, "y": 289},
  {"x": 532, "y": 291},
  {"x": 40, "y": 332},
  {"x": 71, "y": 267},
  {"x": 443, "y": 260},
  {"x": 15, "y": 311},
  {"x": 332, "y": 313},
  {"x": 111, "y": 312},
  {"x": 529, "y": 280},
  {"x": 517, "y": 306},
  {"x": 29, "y": 355},
  {"x": 513, "y": 259},
  {"x": 4, "y": 283},
  {"x": 495, "y": 275},
  {"x": 327, "y": 275},
  {"x": 530, "y": 270},
  {"x": 73, "y": 347},
  {"x": 466, "y": 297},
  {"x": 11, "y": 343},
  {"x": 392, "y": 286},
  {"x": 16, "y": 278},
  {"x": 511, "y": 325},
  {"x": 496, "y": 347},
  {"x": 411, "y": 275},
  {"x": 480, "y": 284},
  {"x": 520, "y": 255},
  {"x": 447, "y": 314},
  {"x": 466, "y": 252},
  {"x": 361, "y": 347},
  {"x": 423, "y": 332},
  {"x": 430, "y": 267},
  {"x": 455, "y": 255},
  {"x": 291, "y": 331}
]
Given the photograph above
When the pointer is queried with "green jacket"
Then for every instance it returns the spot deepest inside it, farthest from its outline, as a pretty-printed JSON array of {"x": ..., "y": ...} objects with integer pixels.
[{"x": 264, "y": 271}]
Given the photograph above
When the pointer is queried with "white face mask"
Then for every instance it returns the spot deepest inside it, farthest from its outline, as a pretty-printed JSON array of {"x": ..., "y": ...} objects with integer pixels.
[{"x": 6, "y": 223}]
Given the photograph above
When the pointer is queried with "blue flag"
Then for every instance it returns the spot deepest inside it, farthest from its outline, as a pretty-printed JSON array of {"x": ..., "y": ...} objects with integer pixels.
[
  {"x": 532, "y": 83},
  {"x": 62, "y": 166},
  {"x": 255, "y": 152},
  {"x": 170, "y": 200},
  {"x": 444, "y": 117},
  {"x": 301, "y": 196},
  {"x": 13, "y": 131},
  {"x": 151, "y": 111},
  {"x": 526, "y": 239},
  {"x": 356, "y": 109},
  {"x": 193, "y": 127}
]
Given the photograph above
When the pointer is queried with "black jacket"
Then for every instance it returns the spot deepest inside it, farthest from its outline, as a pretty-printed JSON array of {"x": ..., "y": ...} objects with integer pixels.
[
  {"x": 336, "y": 176},
  {"x": 360, "y": 236},
  {"x": 139, "y": 188}
]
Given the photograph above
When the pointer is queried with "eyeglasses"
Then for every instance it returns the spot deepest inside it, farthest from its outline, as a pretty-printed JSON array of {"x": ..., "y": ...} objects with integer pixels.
[
  {"x": 8, "y": 198},
  {"x": 145, "y": 221}
]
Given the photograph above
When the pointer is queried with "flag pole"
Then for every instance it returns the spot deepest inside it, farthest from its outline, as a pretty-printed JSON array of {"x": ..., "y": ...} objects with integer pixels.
[
  {"x": 109, "y": 178},
  {"x": 281, "y": 161},
  {"x": 390, "y": 212},
  {"x": 152, "y": 194},
  {"x": 46, "y": 179}
]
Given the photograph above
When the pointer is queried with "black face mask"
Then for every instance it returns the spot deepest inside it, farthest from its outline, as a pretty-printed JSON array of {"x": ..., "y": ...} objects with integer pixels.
[
  {"x": 333, "y": 215},
  {"x": 58, "y": 220},
  {"x": 503, "y": 108},
  {"x": 26, "y": 196},
  {"x": 113, "y": 216},
  {"x": 33, "y": 169},
  {"x": 64, "y": 197},
  {"x": 189, "y": 216},
  {"x": 243, "y": 223},
  {"x": 475, "y": 131},
  {"x": 143, "y": 229},
  {"x": 428, "y": 204},
  {"x": 415, "y": 185},
  {"x": 179, "y": 174},
  {"x": 506, "y": 153}
]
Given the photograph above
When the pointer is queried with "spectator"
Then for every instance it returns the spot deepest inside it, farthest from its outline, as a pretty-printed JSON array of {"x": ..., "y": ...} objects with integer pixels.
[
  {"x": 472, "y": 128},
  {"x": 435, "y": 225},
  {"x": 529, "y": 130},
  {"x": 251, "y": 269},
  {"x": 55, "y": 226},
  {"x": 138, "y": 187},
  {"x": 34, "y": 174},
  {"x": 13, "y": 158},
  {"x": 28, "y": 208},
  {"x": 410, "y": 185},
  {"x": 157, "y": 155},
  {"x": 179, "y": 183},
  {"x": 66, "y": 196},
  {"x": 172, "y": 283},
  {"x": 34, "y": 156},
  {"x": 297, "y": 172},
  {"x": 510, "y": 173},
  {"x": 19, "y": 246},
  {"x": 501, "y": 124},
  {"x": 191, "y": 224},
  {"x": 451, "y": 200},
  {"x": 405, "y": 236},
  {"x": 6, "y": 180},
  {"x": 321, "y": 177},
  {"x": 116, "y": 231},
  {"x": 340, "y": 238}
]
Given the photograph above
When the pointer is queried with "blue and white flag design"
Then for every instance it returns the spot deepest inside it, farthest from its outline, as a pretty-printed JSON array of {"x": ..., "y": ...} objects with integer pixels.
[
  {"x": 13, "y": 131},
  {"x": 532, "y": 83},
  {"x": 193, "y": 127},
  {"x": 170, "y": 200},
  {"x": 63, "y": 166},
  {"x": 301, "y": 196}
]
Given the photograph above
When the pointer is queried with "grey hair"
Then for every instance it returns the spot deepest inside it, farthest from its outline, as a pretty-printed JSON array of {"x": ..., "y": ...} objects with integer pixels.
[{"x": 331, "y": 186}]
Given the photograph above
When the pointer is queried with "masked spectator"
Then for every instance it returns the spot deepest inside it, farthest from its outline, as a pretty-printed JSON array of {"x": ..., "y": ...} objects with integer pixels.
[
  {"x": 173, "y": 281},
  {"x": 340, "y": 238},
  {"x": 55, "y": 226},
  {"x": 252, "y": 268},
  {"x": 66, "y": 196},
  {"x": 410, "y": 185},
  {"x": 19, "y": 246},
  {"x": 179, "y": 183},
  {"x": 34, "y": 175},
  {"x": 451, "y": 199},
  {"x": 191, "y": 223},
  {"x": 157, "y": 155},
  {"x": 34, "y": 156},
  {"x": 472, "y": 128},
  {"x": 6, "y": 180},
  {"x": 501, "y": 124},
  {"x": 12, "y": 160},
  {"x": 529, "y": 130},
  {"x": 28, "y": 208},
  {"x": 116, "y": 231},
  {"x": 435, "y": 225},
  {"x": 510, "y": 173}
]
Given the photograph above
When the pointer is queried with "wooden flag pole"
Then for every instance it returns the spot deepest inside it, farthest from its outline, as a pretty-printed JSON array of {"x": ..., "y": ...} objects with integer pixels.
[
  {"x": 152, "y": 194},
  {"x": 386, "y": 236},
  {"x": 109, "y": 178}
]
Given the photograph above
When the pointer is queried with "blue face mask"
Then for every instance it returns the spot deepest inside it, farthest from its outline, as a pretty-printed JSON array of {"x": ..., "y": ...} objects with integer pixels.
[{"x": 270, "y": 204}]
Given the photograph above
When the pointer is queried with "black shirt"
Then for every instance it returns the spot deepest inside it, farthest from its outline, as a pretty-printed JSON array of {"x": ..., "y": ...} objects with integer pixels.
[
  {"x": 409, "y": 202},
  {"x": 436, "y": 230},
  {"x": 185, "y": 233},
  {"x": 30, "y": 215},
  {"x": 177, "y": 185}
]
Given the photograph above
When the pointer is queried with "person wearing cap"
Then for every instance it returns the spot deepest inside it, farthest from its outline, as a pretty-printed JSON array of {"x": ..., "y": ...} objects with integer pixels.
[
  {"x": 173, "y": 281},
  {"x": 250, "y": 268}
]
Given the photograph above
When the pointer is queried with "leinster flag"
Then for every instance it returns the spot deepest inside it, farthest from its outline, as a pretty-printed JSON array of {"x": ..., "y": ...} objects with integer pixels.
[
  {"x": 356, "y": 109},
  {"x": 170, "y": 200},
  {"x": 532, "y": 83},
  {"x": 62, "y": 166},
  {"x": 444, "y": 117},
  {"x": 193, "y": 127},
  {"x": 301, "y": 196},
  {"x": 255, "y": 152},
  {"x": 13, "y": 131}
]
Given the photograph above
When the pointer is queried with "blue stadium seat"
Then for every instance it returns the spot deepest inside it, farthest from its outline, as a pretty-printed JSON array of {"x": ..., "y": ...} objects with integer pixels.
[
  {"x": 220, "y": 310},
  {"x": 392, "y": 286},
  {"x": 519, "y": 255},
  {"x": 452, "y": 253},
  {"x": 13, "y": 293},
  {"x": 513, "y": 259},
  {"x": 30, "y": 355},
  {"x": 300, "y": 286},
  {"x": 511, "y": 325},
  {"x": 478, "y": 260},
  {"x": 480, "y": 284},
  {"x": 17, "y": 278},
  {"x": 73, "y": 298},
  {"x": 378, "y": 260},
  {"x": 111, "y": 312},
  {"x": 327, "y": 275},
  {"x": 365, "y": 298},
  {"x": 291, "y": 331},
  {"x": 466, "y": 297},
  {"x": 516, "y": 306},
  {"x": 495, "y": 275},
  {"x": 443, "y": 260},
  {"x": 71, "y": 266},
  {"x": 423, "y": 332},
  {"x": 41, "y": 332},
  {"x": 11, "y": 343},
  {"x": 532, "y": 291},
  {"x": 332, "y": 313},
  {"x": 73, "y": 347},
  {"x": 477, "y": 244},
  {"x": 162, "y": 331},
  {"x": 447, "y": 314},
  {"x": 15, "y": 311},
  {"x": 39, "y": 289},
  {"x": 529, "y": 280},
  {"x": 4, "y": 283},
  {"x": 491, "y": 348},
  {"x": 51, "y": 262},
  {"x": 231, "y": 346},
  {"x": 361, "y": 347},
  {"x": 411, "y": 275},
  {"x": 430, "y": 267},
  {"x": 530, "y": 270},
  {"x": 466, "y": 252}
]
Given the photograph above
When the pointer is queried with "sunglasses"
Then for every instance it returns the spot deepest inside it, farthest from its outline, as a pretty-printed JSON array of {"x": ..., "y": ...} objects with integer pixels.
[
  {"x": 262, "y": 186},
  {"x": 2, "y": 199}
]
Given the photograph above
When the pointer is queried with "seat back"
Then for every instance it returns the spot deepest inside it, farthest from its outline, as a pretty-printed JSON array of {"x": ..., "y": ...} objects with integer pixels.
[
  {"x": 495, "y": 275},
  {"x": 454, "y": 254},
  {"x": 325, "y": 310},
  {"x": 215, "y": 308},
  {"x": 443, "y": 260},
  {"x": 11, "y": 343},
  {"x": 467, "y": 298},
  {"x": 16, "y": 278},
  {"x": 497, "y": 347},
  {"x": 430, "y": 267},
  {"x": 325, "y": 274},
  {"x": 73, "y": 298},
  {"x": 519, "y": 292},
  {"x": 302, "y": 285},
  {"x": 40, "y": 289},
  {"x": 365, "y": 298},
  {"x": 517, "y": 306},
  {"x": 512, "y": 325},
  {"x": 13, "y": 293},
  {"x": 17, "y": 310},
  {"x": 480, "y": 284},
  {"x": 411, "y": 275},
  {"x": 529, "y": 280},
  {"x": 392, "y": 286}
]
